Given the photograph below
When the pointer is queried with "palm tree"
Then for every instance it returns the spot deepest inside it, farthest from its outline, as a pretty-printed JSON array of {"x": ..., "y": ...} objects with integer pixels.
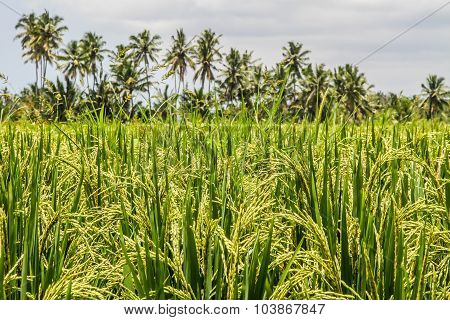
[
  {"x": 315, "y": 86},
  {"x": 93, "y": 46},
  {"x": 400, "y": 105},
  {"x": 247, "y": 60},
  {"x": 104, "y": 97},
  {"x": 207, "y": 53},
  {"x": 119, "y": 55},
  {"x": 178, "y": 58},
  {"x": 436, "y": 94},
  {"x": 145, "y": 49},
  {"x": 278, "y": 75},
  {"x": 233, "y": 75},
  {"x": 62, "y": 97},
  {"x": 197, "y": 101},
  {"x": 164, "y": 100},
  {"x": 48, "y": 39},
  {"x": 259, "y": 80},
  {"x": 128, "y": 80},
  {"x": 295, "y": 59},
  {"x": 40, "y": 39},
  {"x": 352, "y": 88},
  {"x": 73, "y": 61},
  {"x": 248, "y": 68},
  {"x": 27, "y": 27}
]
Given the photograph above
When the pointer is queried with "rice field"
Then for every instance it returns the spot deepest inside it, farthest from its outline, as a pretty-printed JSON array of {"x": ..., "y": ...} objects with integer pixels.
[{"x": 225, "y": 209}]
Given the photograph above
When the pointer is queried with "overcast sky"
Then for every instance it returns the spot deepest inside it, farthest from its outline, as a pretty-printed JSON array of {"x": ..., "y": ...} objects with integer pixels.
[{"x": 336, "y": 31}]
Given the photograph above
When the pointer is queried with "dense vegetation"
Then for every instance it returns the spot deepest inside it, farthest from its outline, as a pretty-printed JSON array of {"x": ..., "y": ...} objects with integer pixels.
[
  {"x": 225, "y": 209},
  {"x": 253, "y": 183},
  {"x": 137, "y": 79}
]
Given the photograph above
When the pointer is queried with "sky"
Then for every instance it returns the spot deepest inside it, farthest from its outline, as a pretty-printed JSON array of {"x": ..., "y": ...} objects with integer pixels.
[{"x": 335, "y": 31}]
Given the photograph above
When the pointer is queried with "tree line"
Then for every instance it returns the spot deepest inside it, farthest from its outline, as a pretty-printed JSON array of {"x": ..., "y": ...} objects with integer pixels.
[{"x": 195, "y": 75}]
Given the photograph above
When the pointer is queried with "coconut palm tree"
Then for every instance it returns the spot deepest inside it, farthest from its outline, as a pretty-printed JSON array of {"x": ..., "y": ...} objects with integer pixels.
[
  {"x": 197, "y": 101},
  {"x": 401, "y": 106},
  {"x": 179, "y": 58},
  {"x": 73, "y": 61},
  {"x": 436, "y": 94},
  {"x": 237, "y": 76},
  {"x": 48, "y": 39},
  {"x": 145, "y": 48},
  {"x": 119, "y": 55},
  {"x": 164, "y": 101},
  {"x": 104, "y": 97},
  {"x": 207, "y": 54},
  {"x": 259, "y": 80},
  {"x": 294, "y": 60},
  {"x": 278, "y": 76},
  {"x": 27, "y": 27},
  {"x": 314, "y": 87},
  {"x": 40, "y": 39},
  {"x": 127, "y": 78},
  {"x": 93, "y": 46},
  {"x": 351, "y": 88},
  {"x": 233, "y": 75},
  {"x": 62, "y": 96},
  {"x": 247, "y": 60}
]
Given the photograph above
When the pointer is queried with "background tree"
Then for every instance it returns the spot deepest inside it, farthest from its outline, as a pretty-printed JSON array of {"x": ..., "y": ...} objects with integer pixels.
[
  {"x": 233, "y": 76},
  {"x": 104, "y": 97},
  {"x": 259, "y": 80},
  {"x": 145, "y": 48},
  {"x": 48, "y": 39},
  {"x": 72, "y": 61},
  {"x": 240, "y": 79},
  {"x": 197, "y": 101},
  {"x": 207, "y": 54},
  {"x": 40, "y": 38},
  {"x": 61, "y": 97},
  {"x": 163, "y": 102},
  {"x": 351, "y": 88},
  {"x": 294, "y": 59},
  {"x": 27, "y": 27},
  {"x": 94, "y": 48},
  {"x": 278, "y": 89},
  {"x": 398, "y": 106},
  {"x": 436, "y": 94},
  {"x": 179, "y": 58},
  {"x": 315, "y": 87},
  {"x": 128, "y": 78}
]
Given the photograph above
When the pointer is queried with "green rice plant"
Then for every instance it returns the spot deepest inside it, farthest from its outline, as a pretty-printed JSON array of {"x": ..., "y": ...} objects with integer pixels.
[{"x": 225, "y": 209}]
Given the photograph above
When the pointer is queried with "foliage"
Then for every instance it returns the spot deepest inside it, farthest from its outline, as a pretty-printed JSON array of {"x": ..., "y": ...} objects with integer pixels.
[
  {"x": 224, "y": 209},
  {"x": 436, "y": 95},
  {"x": 352, "y": 90},
  {"x": 291, "y": 182},
  {"x": 236, "y": 82}
]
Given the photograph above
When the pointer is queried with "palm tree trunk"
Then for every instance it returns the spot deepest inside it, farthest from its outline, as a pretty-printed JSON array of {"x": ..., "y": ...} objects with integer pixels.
[
  {"x": 94, "y": 73},
  {"x": 132, "y": 109},
  {"x": 175, "y": 81},
  {"x": 95, "y": 81},
  {"x": 148, "y": 84},
  {"x": 203, "y": 84},
  {"x": 87, "y": 81},
  {"x": 41, "y": 73},
  {"x": 430, "y": 109},
  {"x": 45, "y": 73},
  {"x": 37, "y": 77},
  {"x": 180, "y": 84}
]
